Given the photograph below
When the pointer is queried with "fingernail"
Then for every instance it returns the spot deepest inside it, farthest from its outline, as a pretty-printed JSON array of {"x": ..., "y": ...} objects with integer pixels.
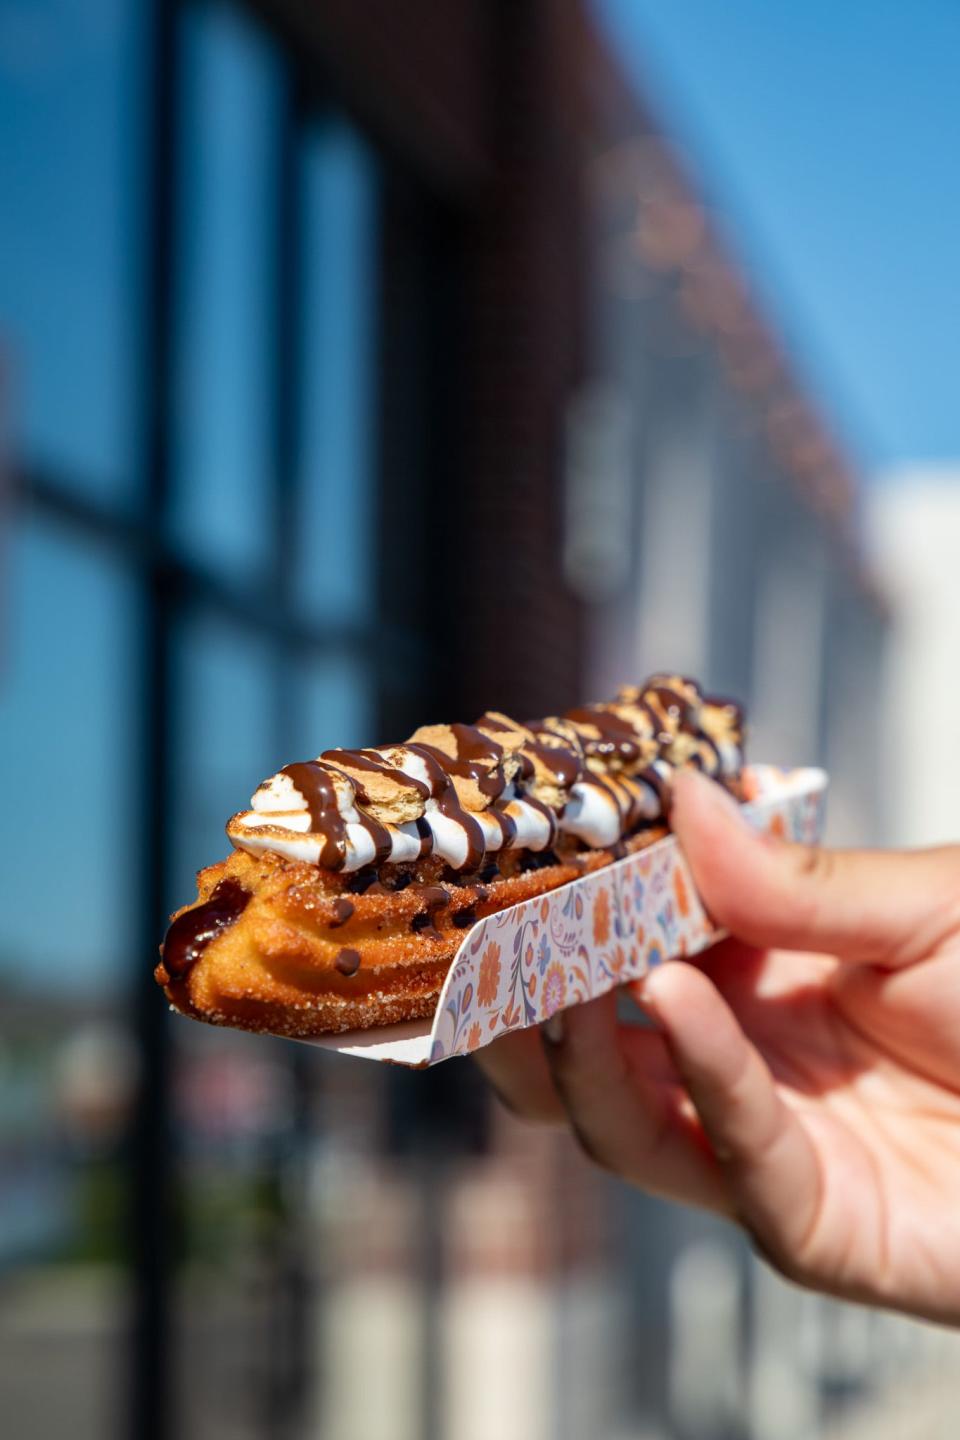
[
  {"x": 708, "y": 792},
  {"x": 552, "y": 1028},
  {"x": 640, "y": 990}
]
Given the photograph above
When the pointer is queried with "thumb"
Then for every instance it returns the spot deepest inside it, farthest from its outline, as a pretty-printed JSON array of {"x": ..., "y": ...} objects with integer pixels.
[{"x": 884, "y": 907}]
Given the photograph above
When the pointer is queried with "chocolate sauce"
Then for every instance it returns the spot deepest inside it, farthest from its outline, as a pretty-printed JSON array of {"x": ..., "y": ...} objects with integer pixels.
[
  {"x": 379, "y": 834},
  {"x": 439, "y": 768},
  {"x": 675, "y": 705},
  {"x": 527, "y": 767},
  {"x": 314, "y": 782},
  {"x": 423, "y": 925},
  {"x": 651, "y": 776},
  {"x": 317, "y": 788},
  {"x": 348, "y": 962},
  {"x": 342, "y": 910},
  {"x": 192, "y": 932},
  {"x": 617, "y": 736},
  {"x": 608, "y": 787},
  {"x": 374, "y": 763},
  {"x": 465, "y": 918},
  {"x": 564, "y": 764},
  {"x": 507, "y": 824},
  {"x": 493, "y": 722},
  {"x": 472, "y": 744},
  {"x": 733, "y": 712},
  {"x": 489, "y": 780},
  {"x": 549, "y": 815}
]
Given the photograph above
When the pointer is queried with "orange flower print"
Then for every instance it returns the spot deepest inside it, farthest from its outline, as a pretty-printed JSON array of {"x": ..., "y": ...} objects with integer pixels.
[
  {"x": 601, "y": 918},
  {"x": 554, "y": 989},
  {"x": 617, "y": 959},
  {"x": 680, "y": 890},
  {"x": 474, "y": 1036},
  {"x": 777, "y": 826},
  {"x": 510, "y": 1016},
  {"x": 489, "y": 977}
]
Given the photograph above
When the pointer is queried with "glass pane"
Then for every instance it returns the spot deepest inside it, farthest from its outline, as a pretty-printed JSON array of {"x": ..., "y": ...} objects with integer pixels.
[
  {"x": 334, "y": 571},
  {"x": 65, "y": 726},
  {"x": 224, "y": 726},
  {"x": 71, "y": 87},
  {"x": 232, "y": 90},
  {"x": 67, "y": 1065},
  {"x": 336, "y": 706}
]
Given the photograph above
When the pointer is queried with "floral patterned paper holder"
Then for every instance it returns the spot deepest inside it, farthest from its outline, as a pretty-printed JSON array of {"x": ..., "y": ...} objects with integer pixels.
[{"x": 520, "y": 966}]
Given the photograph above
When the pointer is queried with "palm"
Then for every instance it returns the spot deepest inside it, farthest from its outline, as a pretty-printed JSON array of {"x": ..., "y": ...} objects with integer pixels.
[{"x": 864, "y": 1058}]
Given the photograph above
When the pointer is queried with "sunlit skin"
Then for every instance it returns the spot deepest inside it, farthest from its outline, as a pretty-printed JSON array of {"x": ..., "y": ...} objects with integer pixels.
[{"x": 803, "y": 1078}]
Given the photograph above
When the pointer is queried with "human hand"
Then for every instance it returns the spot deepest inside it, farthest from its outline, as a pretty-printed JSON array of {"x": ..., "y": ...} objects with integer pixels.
[{"x": 803, "y": 1077}]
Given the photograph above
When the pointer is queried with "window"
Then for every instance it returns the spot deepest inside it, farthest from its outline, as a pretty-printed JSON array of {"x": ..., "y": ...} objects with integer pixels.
[
  {"x": 229, "y": 608},
  {"x": 71, "y": 133}
]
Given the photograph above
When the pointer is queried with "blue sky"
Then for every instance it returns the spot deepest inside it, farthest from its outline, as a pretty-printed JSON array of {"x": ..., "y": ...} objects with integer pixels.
[{"x": 827, "y": 134}]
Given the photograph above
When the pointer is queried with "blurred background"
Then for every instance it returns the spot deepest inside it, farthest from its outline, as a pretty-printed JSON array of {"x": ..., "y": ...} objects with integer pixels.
[{"x": 366, "y": 364}]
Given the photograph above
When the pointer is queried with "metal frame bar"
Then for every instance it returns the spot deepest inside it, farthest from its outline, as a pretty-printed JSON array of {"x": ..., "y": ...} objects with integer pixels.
[
  {"x": 391, "y": 648},
  {"x": 150, "y": 1411}
]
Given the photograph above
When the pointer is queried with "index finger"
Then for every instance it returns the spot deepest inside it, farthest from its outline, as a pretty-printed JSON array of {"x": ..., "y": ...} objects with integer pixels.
[{"x": 882, "y": 907}]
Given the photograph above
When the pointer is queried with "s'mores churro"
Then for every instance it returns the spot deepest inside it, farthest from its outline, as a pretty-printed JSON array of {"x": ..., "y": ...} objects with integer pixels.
[{"x": 355, "y": 875}]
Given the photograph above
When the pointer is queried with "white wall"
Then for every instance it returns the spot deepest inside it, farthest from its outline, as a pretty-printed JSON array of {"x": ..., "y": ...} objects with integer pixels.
[{"x": 914, "y": 535}]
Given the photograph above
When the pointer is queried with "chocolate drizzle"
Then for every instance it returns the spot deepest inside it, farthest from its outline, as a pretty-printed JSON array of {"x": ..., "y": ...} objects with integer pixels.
[
  {"x": 470, "y": 765},
  {"x": 564, "y": 764},
  {"x": 439, "y": 769},
  {"x": 507, "y": 824},
  {"x": 618, "y": 739},
  {"x": 348, "y": 760},
  {"x": 317, "y": 788},
  {"x": 677, "y": 708},
  {"x": 549, "y": 815},
  {"x": 193, "y": 931},
  {"x": 475, "y": 789}
]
